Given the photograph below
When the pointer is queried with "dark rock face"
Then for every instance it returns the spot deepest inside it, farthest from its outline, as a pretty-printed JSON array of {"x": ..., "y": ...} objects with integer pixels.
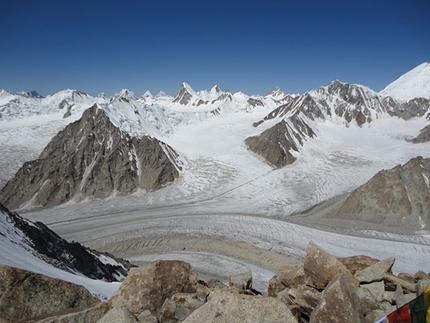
[
  {"x": 423, "y": 136},
  {"x": 24, "y": 295},
  {"x": 275, "y": 144},
  {"x": 399, "y": 196},
  {"x": 183, "y": 96},
  {"x": 89, "y": 158},
  {"x": 71, "y": 257}
]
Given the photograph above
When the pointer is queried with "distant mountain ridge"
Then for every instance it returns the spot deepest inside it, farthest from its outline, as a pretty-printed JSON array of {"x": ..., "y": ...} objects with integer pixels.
[
  {"x": 342, "y": 103},
  {"x": 99, "y": 149}
]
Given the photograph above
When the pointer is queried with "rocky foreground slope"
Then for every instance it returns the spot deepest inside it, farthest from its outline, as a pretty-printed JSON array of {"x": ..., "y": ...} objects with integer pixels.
[
  {"x": 322, "y": 289},
  {"x": 90, "y": 158}
]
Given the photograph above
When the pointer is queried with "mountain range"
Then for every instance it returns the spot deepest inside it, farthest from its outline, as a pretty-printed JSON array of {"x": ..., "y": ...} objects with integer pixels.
[
  {"x": 207, "y": 153},
  {"x": 98, "y": 152}
]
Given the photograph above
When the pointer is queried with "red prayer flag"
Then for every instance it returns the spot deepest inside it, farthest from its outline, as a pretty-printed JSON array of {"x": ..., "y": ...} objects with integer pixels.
[{"x": 401, "y": 315}]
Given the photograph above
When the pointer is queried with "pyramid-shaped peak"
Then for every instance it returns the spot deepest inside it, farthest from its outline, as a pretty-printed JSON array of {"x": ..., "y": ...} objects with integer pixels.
[
  {"x": 215, "y": 89},
  {"x": 147, "y": 94},
  {"x": 125, "y": 93},
  {"x": 276, "y": 91}
]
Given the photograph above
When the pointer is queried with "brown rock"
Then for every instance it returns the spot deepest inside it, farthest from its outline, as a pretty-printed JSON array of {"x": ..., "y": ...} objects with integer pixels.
[
  {"x": 24, "y": 295},
  {"x": 291, "y": 276},
  {"x": 396, "y": 197},
  {"x": 241, "y": 281},
  {"x": 118, "y": 315},
  {"x": 146, "y": 288},
  {"x": 375, "y": 272},
  {"x": 75, "y": 315},
  {"x": 147, "y": 317},
  {"x": 226, "y": 307},
  {"x": 302, "y": 301},
  {"x": 407, "y": 286},
  {"x": 181, "y": 305},
  {"x": 339, "y": 304},
  {"x": 357, "y": 263},
  {"x": 321, "y": 267}
]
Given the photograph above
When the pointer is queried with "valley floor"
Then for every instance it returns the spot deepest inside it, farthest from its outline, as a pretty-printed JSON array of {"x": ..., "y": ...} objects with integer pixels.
[{"x": 219, "y": 243}]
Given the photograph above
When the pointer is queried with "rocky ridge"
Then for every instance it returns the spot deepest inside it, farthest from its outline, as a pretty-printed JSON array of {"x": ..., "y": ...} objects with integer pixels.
[
  {"x": 399, "y": 196},
  {"x": 322, "y": 289},
  {"x": 342, "y": 103},
  {"x": 90, "y": 158},
  {"x": 45, "y": 244}
]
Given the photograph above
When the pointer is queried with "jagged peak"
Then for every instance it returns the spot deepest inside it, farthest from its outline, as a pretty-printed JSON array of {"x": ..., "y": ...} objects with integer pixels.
[
  {"x": 125, "y": 93},
  {"x": 215, "y": 89},
  {"x": 147, "y": 94}
]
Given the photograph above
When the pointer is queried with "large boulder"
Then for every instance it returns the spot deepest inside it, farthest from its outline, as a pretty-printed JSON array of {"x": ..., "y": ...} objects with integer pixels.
[
  {"x": 302, "y": 301},
  {"x": 291, "y": 276},
  {"x": 227, "y": 307},
  {"x": 339, "y": 304},
  {"x": 24, "y": 295},
  {"x": 146, "y": 288},
  {"x": 375, "y": 272},
  {"x": 320, "y": 267},
  {"x": 357, "y": 263}
]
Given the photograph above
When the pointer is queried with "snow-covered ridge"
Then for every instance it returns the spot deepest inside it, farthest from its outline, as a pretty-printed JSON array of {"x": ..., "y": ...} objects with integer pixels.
[
  {"x": 413, "y": 84},
  {"x": 20, "y": 251}
]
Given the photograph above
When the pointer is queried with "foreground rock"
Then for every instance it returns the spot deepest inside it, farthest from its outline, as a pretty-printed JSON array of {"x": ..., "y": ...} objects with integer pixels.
[
  {"x": 225, "y": 307},
  {"x": 320, "y": 267},
  {"x": 169, "y": 292},
  {"x": 340, "y": 303},
  {"x": 148, "y": 287},
  {"x": 90, "y": 158},
  {"x": 24, "y": 295}
]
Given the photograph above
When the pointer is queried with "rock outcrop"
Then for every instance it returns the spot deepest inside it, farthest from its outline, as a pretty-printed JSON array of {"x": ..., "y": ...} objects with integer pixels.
[
  {"x": 423, "y": 136},
  {"x": 24, "y": 295},
  {"x": 396, "y": 197},
  {"x": 68, "y": 256},
  {"x": 224, "y": 307},
  {"x": 90, "y": 158},
  {"x": 278, "y": 144},
  {"x": 147, "y": 288}
]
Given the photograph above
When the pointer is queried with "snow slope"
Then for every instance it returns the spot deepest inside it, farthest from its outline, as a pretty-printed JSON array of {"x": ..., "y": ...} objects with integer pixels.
[
  {"x": 17, "y": 251},
  {"x": 413, "y": 84}
]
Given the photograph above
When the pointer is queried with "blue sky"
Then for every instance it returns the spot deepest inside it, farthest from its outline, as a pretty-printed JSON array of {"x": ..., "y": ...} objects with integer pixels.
[{"x": 249, "y": 46}]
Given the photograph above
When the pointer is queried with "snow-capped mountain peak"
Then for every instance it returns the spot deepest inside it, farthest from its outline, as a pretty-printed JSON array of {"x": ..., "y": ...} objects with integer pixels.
[
  {"x": 30, "y": 94},
  {"x": 125, "y": 93},
  {"x": 413, "y": 84}
]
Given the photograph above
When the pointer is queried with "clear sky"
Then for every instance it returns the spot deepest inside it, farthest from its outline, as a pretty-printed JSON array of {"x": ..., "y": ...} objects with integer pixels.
[{"x": 249, "y": 46}]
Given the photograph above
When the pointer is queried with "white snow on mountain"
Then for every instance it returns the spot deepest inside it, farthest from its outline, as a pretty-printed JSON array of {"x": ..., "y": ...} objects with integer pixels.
[
  {"x": 413, "y": 84},
  {"x": 17, "y": 251}
]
